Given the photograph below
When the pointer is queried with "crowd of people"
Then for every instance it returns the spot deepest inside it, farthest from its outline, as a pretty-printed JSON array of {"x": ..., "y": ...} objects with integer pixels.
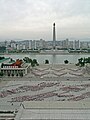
[
  {"x": 45, "y": 72},
  {"x": 54, "y": 89}
]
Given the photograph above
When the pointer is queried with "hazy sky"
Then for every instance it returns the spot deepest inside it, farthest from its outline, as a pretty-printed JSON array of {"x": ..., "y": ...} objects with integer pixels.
[{"x": 33, "y": 19}]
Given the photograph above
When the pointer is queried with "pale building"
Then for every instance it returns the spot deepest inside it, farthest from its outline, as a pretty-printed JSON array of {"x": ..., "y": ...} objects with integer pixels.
[
  {"x": 65, "y": 43},
  {"x": 7, "y": 68},
  {"x": 13, "y": 45},
  {"x": 34, "y": 44},
  {"x": 84, "y": 45},
  {"x": 70, "y": 44},
  {"x": 76, "y": 44},
  {"x": 18, "y": 47},
  {"x": 23, "y": 46},
  {"x": 42, "y": 44},
  {"x": 30, "y": 44}
]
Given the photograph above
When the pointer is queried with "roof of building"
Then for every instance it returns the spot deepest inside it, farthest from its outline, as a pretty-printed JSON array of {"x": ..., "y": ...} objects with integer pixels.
[
  {"x": 54, "y": 111},
  {"x": 57, "y": 105},
  {"x": 1, "y": 61}
]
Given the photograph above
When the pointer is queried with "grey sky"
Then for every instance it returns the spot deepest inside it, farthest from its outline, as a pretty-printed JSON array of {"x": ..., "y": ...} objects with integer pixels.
[{"x": 33, "y": 19}]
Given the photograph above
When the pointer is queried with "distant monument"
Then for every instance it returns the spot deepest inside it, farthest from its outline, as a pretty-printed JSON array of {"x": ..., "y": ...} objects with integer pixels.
[{"x": 54, "y": 37}]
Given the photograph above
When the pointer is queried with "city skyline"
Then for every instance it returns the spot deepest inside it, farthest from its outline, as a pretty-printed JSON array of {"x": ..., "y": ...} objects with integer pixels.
[{"x": 27, "y": 19}]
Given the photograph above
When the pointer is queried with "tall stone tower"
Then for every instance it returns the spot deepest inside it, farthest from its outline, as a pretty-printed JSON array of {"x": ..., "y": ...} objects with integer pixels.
[{"x": 54, "y": 37}]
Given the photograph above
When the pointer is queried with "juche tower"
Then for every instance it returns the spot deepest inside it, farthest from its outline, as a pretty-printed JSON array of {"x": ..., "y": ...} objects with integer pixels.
[{"x": 54, "y": 37}]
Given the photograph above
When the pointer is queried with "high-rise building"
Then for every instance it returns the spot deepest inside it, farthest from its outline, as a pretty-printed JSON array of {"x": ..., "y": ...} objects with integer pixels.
[
  {"x": 71, "y": 44},
  {"x": 84, "y": 45},
  {"x": 65, "y": 43},
  {"x": 54, "y": 37},
  {"x": 13, "y": 44},
  {"x": 76, "y": 44},
  {"x": 23, "y": 46},
  {"x": 42, "y": 44},
  {"x": 30, "y": 44},
  {"x": 34, "y": 44}
]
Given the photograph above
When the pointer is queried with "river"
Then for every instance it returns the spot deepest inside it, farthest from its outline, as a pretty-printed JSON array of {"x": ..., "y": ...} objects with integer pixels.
[{"x": 52, "y": 58}]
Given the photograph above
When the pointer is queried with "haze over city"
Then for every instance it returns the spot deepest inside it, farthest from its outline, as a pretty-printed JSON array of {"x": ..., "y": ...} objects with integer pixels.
[{"x": 28, "y": 19}]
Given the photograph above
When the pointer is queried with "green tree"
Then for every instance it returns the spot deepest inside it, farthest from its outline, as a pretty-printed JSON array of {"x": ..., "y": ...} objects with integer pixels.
[
  {"x": 81, "y": 62},
  {"x": 17, "y": 74},
  {"x": 66, "y": 61},
  {"x": 1, "y": 74},
  {"x": 21, "y": 74},
  {"x": 34, "y": 63},
  {"x": 12, "y": 74},
  {"x": 8, "y": 74},
  {"x": 46, "y": 61},
  {"x": 1, "y": 58},
  {"x": 88, "y": 59},
  {"x": 2, "y": 65},
  {"x": 27, "y": 60}
]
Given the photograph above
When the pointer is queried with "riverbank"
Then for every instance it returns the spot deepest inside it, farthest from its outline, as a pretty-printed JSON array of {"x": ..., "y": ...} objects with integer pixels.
[{"x": 45, "y": 53}]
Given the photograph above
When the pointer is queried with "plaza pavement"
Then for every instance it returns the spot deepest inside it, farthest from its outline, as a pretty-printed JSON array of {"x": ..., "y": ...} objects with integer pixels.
[{"x": 65, "y": 88}]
